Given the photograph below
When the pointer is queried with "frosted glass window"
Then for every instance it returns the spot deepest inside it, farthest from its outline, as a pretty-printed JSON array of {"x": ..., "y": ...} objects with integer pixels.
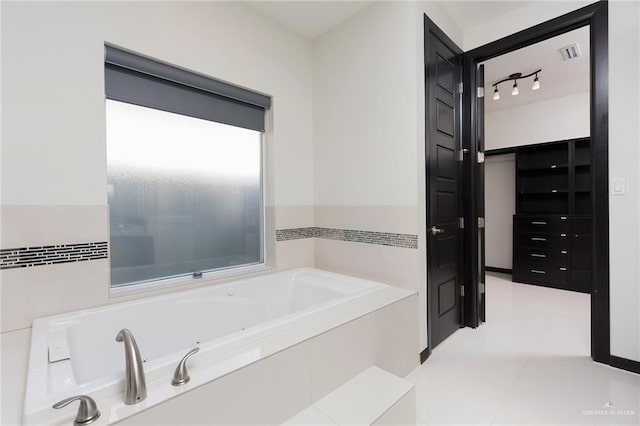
[{"x": 185, "y": 194}]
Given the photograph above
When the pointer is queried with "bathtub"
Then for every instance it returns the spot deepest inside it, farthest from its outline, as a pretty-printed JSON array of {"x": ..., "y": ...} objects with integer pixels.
[{"x": 76, "y": 353}]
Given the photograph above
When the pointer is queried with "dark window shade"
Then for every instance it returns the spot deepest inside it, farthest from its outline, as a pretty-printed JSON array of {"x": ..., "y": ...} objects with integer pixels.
[{"x": 145, "y": 82}]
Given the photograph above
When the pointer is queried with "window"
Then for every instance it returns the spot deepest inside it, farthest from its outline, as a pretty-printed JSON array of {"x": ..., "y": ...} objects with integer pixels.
[{"x": 184, "y": 167}]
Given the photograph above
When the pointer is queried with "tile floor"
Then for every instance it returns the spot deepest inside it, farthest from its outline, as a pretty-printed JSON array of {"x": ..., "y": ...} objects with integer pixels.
[{"x": 528, "y": 364}]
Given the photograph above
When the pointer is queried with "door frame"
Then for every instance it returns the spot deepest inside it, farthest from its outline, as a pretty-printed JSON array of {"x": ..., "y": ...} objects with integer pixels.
[
  {"x": 596, "y": 17},
  {"x": 431, "y": 27}
]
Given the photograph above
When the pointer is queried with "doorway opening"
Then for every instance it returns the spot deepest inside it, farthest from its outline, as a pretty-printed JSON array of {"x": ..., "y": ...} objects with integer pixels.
[
  {"x": 594, "y": 18},
  {"x": 470, "y": 154},
  {"x": 538, "y": 183}
]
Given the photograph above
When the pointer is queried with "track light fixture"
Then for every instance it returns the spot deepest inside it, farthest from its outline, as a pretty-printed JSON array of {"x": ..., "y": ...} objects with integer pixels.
[{"x": 515, "y": 77}]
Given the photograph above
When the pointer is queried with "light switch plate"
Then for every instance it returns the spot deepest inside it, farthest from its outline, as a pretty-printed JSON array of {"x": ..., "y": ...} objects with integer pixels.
[{"x": 618, "y": 186}]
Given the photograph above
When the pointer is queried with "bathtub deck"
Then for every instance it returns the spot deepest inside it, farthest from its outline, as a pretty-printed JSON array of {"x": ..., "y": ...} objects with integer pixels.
[{"x": 160, "y": 390}]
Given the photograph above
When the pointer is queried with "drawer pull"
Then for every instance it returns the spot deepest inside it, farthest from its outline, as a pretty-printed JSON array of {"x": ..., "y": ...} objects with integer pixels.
[
  {"x": 538, "y": 255},
  {"x": 563, "y": 252},
  {"x": 535, "y": 271},
  {"x": 537, "y": 222},
  {"x": 554, "y": 191},
  {"x": 553, "y": 166},
  {"x": 563, "y": 235},
  {"x": 563, "y": 218},
  {"x": 563, "y": 269},
  {"x": 538, "y": 239}
]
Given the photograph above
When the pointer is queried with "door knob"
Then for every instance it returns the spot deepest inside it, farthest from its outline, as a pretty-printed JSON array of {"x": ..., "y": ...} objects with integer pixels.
[{"x": 436, "y": 231}]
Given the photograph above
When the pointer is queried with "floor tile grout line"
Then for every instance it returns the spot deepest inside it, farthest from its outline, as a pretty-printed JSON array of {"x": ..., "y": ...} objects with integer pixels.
[
  {"x": 527, "y": 361},
  {"x": 513, "y": 385}
]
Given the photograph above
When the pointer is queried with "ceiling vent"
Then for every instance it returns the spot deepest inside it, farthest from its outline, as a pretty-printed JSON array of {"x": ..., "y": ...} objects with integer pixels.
[{"x": 570, "y": 52}]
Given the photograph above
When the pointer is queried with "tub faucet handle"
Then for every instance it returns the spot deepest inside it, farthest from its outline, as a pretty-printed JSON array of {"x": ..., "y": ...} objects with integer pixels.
[
  {"x": 87, "y": 412},
  {"x": 181, "y": 375}
]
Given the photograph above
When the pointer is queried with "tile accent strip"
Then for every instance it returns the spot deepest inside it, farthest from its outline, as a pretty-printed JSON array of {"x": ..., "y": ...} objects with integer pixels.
[
  {"x": 369, "y": 237},
  {"x": 295, "y": 233},
  {"x": 50, "y": 255}
]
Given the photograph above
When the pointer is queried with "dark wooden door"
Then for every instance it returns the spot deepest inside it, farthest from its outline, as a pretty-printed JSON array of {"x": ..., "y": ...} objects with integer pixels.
[
  {"x": 442, "y": 107},
  {"x": 480, "y": 195}
]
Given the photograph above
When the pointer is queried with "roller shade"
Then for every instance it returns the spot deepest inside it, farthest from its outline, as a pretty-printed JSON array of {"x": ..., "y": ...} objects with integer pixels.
[{"x": 141, "y": 81}]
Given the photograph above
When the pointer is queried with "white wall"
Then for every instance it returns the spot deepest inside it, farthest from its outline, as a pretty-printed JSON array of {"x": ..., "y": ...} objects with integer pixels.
[
  {"x": 624, "y": 149},
  {"x": 500, "y": 206},
  {"x": 624, "y": 110},
  {"x": 53, "y": 96},
  {"x": 364, "y": 128},
  {"x": 566, "y": 117},
  {"x": 369, "y": 140}
]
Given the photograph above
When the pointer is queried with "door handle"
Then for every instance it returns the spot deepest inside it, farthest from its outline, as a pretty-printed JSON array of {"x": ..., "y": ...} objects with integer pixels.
[{"x": 436, "y": 231}]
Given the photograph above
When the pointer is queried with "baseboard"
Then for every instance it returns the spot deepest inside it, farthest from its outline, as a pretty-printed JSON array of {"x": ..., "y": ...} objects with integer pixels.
[
  {"x": 424, "y": 355},
  {"x": 625, "y": 364},
  {"x": 500, "y": 270}
]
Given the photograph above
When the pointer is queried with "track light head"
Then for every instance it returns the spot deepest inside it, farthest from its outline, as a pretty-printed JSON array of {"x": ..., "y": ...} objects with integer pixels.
[
  {"x": 515, "y": 90},
  {"x": 536, "y": 83},
  {"x": 496, "y": 94}
]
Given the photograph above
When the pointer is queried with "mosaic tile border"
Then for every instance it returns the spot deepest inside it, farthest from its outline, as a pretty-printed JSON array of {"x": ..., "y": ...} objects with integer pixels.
[
  {"x": 53, "y": 254},
  {"x": 352, "y": 235},
  {"x": 295, "y": 233}
]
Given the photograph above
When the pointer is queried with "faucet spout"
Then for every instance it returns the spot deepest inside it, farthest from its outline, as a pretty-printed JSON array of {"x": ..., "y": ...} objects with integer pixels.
[{"x": 135, "y": 385}]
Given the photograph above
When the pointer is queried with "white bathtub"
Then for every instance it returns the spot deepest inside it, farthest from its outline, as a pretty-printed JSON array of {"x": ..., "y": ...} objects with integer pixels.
[{"x": 76, "y": 353}]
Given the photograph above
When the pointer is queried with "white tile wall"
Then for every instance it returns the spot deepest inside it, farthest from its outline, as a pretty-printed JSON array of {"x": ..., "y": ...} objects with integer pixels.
[{"x": 15, "y": 357}]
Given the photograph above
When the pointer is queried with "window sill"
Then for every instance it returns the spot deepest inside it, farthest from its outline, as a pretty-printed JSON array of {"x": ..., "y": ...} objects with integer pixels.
[{"x": 208, "y": 278}]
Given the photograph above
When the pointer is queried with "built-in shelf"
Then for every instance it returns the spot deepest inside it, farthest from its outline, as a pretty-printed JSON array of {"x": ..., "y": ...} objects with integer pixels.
[{"x": 553, "y": 188}]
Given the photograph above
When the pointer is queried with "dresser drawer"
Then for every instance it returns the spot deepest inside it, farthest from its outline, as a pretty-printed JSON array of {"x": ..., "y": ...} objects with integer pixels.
[
  {"x": 542, "y": 240},
  {"x": 541, "y": 224},
  {"x": 540, "y": 256},
  {"x": 534, "y": 274}
]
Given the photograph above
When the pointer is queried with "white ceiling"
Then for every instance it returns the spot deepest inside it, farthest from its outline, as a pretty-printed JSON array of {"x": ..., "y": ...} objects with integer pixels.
[
  {"x": 558, "y": 77},
  {"x": 469, "y": 13},
  {"x": 309, "y": 18}
]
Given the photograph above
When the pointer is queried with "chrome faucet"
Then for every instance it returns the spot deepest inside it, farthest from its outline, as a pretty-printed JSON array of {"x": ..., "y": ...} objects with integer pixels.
[
  {"x": 135, "y": 385},
  {"x": 87, "y": 412},
  {"x": 180, "y": 375}
]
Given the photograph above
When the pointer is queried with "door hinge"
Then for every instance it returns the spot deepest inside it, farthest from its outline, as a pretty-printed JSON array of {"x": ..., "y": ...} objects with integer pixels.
[
  {"x": 461, "y": 223},
  {"x": 460, "y": 154},
  {"x": 481, "y": 222},
  {"x": 462, "y": 290},
  {"x": 481, "y": 92},
  {"x": 461, "y": 87},
  {"x": 480, "y": 157},
  {"x": 481, "y": 287}
]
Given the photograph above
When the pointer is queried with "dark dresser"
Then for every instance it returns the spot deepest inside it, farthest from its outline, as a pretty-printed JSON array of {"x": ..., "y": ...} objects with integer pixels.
[{"x": 552, "y": 224}]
